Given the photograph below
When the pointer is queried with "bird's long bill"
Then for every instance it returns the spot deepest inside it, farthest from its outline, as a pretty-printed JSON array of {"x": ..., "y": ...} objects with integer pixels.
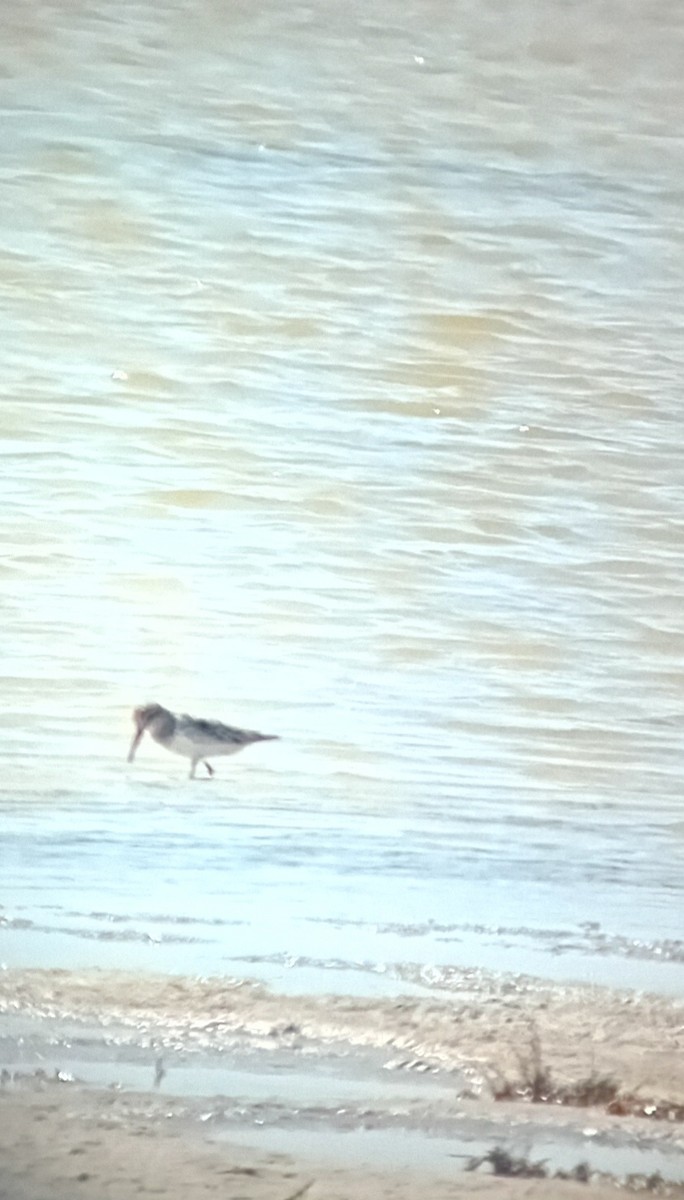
[{"x": 134, "y": 744}]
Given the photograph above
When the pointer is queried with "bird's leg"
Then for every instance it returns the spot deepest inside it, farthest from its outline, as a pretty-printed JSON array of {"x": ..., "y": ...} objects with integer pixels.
[
  {"x": 209, "y": 769},
  {"x": 193, "y": 768}
]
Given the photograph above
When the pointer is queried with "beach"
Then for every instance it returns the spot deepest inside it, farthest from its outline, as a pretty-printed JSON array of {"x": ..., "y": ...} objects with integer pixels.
[
  {"x": 56, "y": 1148},
  {"x": 228, "y": 1085}
]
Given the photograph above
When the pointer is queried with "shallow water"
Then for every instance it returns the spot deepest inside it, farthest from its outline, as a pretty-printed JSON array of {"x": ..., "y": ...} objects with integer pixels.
[
  {"x": 352, "y": 1118},
  {"x": 342, "y": 379}
]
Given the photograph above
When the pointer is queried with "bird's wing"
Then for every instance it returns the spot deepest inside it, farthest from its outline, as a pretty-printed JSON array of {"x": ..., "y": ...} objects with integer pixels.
[{"x": 218, "y": 732}]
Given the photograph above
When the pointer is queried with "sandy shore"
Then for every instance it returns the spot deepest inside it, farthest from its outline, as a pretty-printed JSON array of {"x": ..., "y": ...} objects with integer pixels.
[
  {"x": 60, "y": 1141},
  {"x": 95, "y": 1147},
  {"x": 481, "y": 1030}
]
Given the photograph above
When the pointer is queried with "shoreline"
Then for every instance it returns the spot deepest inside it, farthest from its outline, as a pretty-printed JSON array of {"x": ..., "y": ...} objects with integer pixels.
[
  {"x": 98, "y": 1144},
  {"x": 481, "y": 1030},
  {"x": 396, "y": 1086}
]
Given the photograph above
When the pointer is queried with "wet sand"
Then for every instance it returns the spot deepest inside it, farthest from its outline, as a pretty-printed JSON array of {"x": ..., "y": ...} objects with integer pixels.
[
  {"x": 480, "y": 1030},
  {"x": 60, "y": 1138},
  {"x": 55, "y": 1146}
]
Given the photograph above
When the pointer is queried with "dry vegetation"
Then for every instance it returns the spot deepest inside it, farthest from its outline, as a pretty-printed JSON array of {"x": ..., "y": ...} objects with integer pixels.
[
  {"x": 503, "y": 1163},
  {"x": 535, "y": 1084}
]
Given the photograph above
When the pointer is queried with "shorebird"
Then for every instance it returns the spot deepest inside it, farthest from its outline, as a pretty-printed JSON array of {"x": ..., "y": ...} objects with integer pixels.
[{"x": 191, "y": 736}]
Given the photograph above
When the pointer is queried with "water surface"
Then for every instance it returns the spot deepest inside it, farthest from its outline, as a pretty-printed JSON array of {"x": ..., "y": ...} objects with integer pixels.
[{"x": 342, "y": 399}]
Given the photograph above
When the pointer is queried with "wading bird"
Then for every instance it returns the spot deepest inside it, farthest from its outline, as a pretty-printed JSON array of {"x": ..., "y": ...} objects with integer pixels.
[{"x": 192, "y": 737}]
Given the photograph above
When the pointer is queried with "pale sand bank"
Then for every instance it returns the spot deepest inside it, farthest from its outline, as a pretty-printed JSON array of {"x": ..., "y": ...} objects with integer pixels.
[
  {"x": 479, "y": 1031},
  {"x": 58, "y": 1146},
  {"x": 59, "y": 1142}
]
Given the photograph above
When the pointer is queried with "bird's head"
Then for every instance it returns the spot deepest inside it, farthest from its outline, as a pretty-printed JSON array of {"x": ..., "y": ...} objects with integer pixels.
[{"x": 143, "y": 717}]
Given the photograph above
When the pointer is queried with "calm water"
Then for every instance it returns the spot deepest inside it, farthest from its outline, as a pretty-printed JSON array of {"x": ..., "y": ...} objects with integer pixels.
[{"x": 342, "y": 398}]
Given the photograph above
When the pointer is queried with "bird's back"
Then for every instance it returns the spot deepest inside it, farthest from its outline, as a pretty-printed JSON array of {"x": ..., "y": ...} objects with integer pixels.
[{"x": 216, "y": 731}]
